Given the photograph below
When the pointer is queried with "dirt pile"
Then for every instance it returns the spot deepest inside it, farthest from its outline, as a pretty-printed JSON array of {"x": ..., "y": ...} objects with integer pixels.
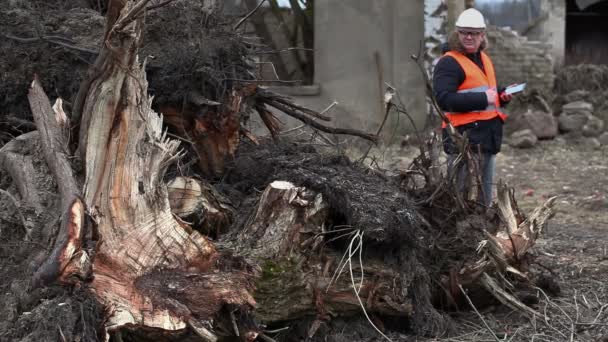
[
  {"x": 584, "y": 82},
  {"x": 193, "y": 55}
]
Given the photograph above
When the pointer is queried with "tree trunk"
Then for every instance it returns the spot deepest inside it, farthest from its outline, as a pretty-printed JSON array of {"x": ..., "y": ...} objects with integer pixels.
[
  {"x": 139, "y": 244},
  {"x": 301, "y": 273}
]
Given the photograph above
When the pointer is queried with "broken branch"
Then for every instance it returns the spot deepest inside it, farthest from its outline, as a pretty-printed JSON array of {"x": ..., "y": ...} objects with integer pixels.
[{"x": 300, "y": 116}]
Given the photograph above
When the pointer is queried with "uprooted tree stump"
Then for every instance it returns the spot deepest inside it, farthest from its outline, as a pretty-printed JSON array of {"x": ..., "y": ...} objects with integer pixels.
[
  {"x": 125, "y": 154},
  {"x": 297, "y": 234}
]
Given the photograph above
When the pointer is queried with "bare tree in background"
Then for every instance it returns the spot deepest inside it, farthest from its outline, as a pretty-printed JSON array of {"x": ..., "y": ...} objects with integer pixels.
[{"x": 298, "y": 33}]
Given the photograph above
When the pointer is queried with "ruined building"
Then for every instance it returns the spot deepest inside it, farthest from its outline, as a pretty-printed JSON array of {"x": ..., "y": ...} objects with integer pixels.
[{"x": 359, "y": 45}]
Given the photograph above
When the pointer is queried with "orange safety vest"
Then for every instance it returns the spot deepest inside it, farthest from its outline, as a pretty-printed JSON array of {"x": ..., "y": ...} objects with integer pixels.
[{"x": 475, "y": 81}]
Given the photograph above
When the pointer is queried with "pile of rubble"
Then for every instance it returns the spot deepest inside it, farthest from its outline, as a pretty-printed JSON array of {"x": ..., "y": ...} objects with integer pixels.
[
  {"x": 577, "y": 112},
  {"x": 576, "y": 120}
]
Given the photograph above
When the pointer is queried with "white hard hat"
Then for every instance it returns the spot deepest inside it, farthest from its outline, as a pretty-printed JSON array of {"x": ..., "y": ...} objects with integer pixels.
[{"x": 471, "y": 18}]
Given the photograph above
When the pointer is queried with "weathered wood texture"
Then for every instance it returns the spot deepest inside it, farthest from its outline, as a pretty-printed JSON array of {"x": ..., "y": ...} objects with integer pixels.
[
  {"x": 303, "y": 275},
  {"x": 200, "y": 205},
  {"x": 125, "y": 155},
  {"x": 52, "y": 125}
]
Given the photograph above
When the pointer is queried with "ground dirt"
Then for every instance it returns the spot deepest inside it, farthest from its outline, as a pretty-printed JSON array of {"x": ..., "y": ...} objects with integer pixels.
[{"x": 573, "y": 252}]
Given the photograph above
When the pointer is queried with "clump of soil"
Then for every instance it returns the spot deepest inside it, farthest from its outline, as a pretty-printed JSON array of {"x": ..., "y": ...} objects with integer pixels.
[{"x": 189, "y": 48}]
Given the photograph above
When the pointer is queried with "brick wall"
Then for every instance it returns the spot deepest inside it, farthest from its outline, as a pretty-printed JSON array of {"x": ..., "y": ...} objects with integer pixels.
[{"x": 518, "y": 59}]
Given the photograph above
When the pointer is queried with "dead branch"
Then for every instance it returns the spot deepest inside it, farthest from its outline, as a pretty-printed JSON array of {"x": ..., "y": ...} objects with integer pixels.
[
  {"x": 294, "y": 111},
  {"x": 344, "y": 131},
  {"x": 53, "y": 135},
  {"x": 504, "y": 297},
  {"x": 61, "y": 41},
  {"x": 252, "y": 12},
  {"x": 52, "y": 130},
  {"x": 478, "y": 314},
  {"x": 269, "y": 97},
  {"x": 201, "y": 331}
]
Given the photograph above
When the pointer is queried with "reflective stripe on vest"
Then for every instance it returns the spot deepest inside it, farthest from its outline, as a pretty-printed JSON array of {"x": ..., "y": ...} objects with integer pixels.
[
  {"x": 481, "y": 89},
  {"x": 476, "y": 81}
]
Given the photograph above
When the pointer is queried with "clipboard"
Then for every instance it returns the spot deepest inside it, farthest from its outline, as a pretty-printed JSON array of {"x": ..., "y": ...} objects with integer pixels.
[{"x": 515, "y": 89}]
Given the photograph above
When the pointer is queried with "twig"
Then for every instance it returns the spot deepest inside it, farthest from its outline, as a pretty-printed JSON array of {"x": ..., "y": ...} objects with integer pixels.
[
  {"x": 600, "y": 313},
  {"x": 271, "y": 98},
  {"x": 276, "y": 330},
  {"x": 248, "y": 15},
  {"x": 477, "y": 312},
  {"x": 359, "y": 235},
  {"x": 274, "y": 69},
  {"x": 293, "y": 129},
  {"x": 543, "y": 103},
  {"x": 282, "y": 50},
  {"x": 51, "y": 39},
  {"x": 129, "y": 17},
  {"x": 342, "y": 264},
  {"x": 345, "y": 131},
  {"x": 84, "y": 321},
  {"x": 259, "y": 81},
  {"x": 332, "y": 105},
  {"x": 558, "y": 307},
  {"x": 201, "y": 331},
  {"x": 61, "y": 334},
  {"x": 234, "y": 325},
  {"x": 180, "y": 138},
  {"x": 507, "y": 299},
  {"x": 388, "y": 105}
]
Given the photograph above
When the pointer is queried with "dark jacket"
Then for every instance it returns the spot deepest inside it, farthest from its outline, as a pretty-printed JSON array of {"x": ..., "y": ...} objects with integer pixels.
[{"x": 485, "y": 135}]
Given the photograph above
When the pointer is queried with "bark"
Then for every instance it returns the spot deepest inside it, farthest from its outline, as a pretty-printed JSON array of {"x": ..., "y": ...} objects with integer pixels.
[
  {"x": 125, "y": 155},
  {"x": 213, "y": 131},
  {"x": 303, "y": 275},
  {"x": 505, "y": 251},
  {"x": 67, "y": 259},
  {"x": 200, "y": 206}
]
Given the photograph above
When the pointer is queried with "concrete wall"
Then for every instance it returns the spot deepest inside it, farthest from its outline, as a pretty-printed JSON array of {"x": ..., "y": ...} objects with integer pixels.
[
  {"x": 552, "y": 28},
  {"x": 540, "y": 20},
  {"x": 518, "y": 59},
  {"x": 348, "y": 36}
]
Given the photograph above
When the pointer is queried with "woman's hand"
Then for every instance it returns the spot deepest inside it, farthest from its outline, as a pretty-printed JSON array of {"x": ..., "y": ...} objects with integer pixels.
[
  {"x": 491, "y": 96},
  {"x": 504, "y": 97}
]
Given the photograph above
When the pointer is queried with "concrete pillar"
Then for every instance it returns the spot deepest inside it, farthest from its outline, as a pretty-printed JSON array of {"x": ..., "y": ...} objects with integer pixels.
[
  {"x": 348, "y": 35},
  {"x": 554, "y": 28},
  {"x": 408, "y": 33}
]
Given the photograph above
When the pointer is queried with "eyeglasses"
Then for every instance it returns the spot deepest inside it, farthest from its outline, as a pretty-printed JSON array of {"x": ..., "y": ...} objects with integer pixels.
[{"x": 470, "y": 33}]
